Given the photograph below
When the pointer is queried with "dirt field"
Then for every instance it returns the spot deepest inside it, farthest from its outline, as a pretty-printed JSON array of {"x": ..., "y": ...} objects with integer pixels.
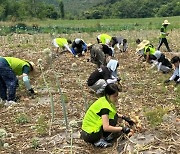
[{"x": 143, "y": 92}]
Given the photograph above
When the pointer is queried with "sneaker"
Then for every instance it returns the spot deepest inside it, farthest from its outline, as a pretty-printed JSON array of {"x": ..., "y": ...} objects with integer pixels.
[
  {"x": 109, "y": 137},
  {"x": 102, "y": 143},
  {"x": 9, "y": 103},
  {"x": 112, "y": 136},
  {"x": 1, "y": 102}
]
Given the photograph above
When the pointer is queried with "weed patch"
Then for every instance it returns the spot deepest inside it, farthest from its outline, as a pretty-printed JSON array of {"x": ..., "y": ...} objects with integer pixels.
[
  {"x": 155, "y": 116},
  {"x": 22, "y": 119},
  {"x": 41, "y": 126}
]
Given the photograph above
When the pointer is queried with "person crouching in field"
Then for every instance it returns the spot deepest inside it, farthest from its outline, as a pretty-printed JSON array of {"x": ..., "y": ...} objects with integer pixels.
[
  {"x": 62, "y": 43},
  {"x": 176, "y": 75},
  {"x": 79, "y": 47},
  {"x": 119, "y": 41},
  {"x": 100, "y": 53},
  {"x": 9, "y": 68},
  {"x": 98, "y": 79},
  {"x": 99, "y": 123},
  {"x": 154, "y": 56},
  {"x": 104, "y": 39}
]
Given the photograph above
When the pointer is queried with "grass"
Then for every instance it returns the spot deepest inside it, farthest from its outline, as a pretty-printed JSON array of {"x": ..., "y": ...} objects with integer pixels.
[
  {"x": 35, "y": 143},
  {"x": 22, "y": 119},
  {"x": 154, "y": 116},
  {"x": 88, "y": 26},
  {"x": 141, "y": 22},
  {"x": 177, "y": 99},
  {"x": 41, "y": 126}
]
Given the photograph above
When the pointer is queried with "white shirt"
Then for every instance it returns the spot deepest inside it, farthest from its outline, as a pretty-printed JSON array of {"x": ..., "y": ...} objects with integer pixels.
[{"x": 176, "y": 73}]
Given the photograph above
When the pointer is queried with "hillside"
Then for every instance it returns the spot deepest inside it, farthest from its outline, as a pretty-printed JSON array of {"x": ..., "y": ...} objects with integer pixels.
[
  {"x": 21, "y": 10},
  {"x": 76, "y": 6},
  {"x": 133, "y": 9}
]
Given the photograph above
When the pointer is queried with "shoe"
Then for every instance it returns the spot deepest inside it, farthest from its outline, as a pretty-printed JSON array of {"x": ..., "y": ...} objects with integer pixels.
[
  {"x": 112, "y": 136},
  {"x": 109, "y": 137},
  {"x": 102, "y": 143},
  {"x": 1, "y": 102},
  {"x": 9, "y": 103},
  {"x": 76, "y": 56}
]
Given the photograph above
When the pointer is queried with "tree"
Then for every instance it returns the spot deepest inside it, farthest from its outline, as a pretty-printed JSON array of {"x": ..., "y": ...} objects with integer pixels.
[
  {"x": 2, "y": 10},
  {"x": 61, "y": 8}
]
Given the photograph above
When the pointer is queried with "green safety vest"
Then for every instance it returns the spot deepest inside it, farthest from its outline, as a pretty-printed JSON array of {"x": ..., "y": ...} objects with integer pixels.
[
  {"x": 92, "y": 122},
  {"x": 61, "y": 41},
  {"x": 103, "y": 38},
  {"x": 152, "y": 50},
  {"x": 164, "y": 30},
  {"x": 16, "y": 64}
]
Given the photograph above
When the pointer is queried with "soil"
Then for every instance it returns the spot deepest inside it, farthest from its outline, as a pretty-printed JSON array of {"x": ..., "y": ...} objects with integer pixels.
[{"x": 143, "y": 90}]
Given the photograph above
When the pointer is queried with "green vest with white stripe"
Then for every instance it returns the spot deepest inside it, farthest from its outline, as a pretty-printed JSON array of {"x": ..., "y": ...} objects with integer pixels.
[
  {"x": 16, "y": 64},
  {"x": 92, "y": 122}
]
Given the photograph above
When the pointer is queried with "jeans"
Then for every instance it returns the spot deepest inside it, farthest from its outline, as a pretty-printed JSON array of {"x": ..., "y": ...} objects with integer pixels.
[{"x": 8, "y": 82}]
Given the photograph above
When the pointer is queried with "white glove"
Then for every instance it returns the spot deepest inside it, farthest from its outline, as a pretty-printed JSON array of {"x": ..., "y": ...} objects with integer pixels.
[
  {"x": 83, "y": 52},
  {"x": 27, "y": 82}
]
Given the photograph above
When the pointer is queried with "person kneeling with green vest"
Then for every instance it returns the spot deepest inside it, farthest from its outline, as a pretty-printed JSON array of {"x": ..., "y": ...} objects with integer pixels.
[
  {"x": 9, "y": 68},
  {"x": 99, "y": 123},
  {"x": 154, "y": 56}
]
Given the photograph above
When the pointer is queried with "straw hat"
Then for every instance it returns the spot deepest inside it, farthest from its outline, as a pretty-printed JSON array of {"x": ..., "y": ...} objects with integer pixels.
[
  {"x": 89, "y": 44},
  {"x": 142, "y": 45},
  {"x": 33, "y": 65},
  {"x": 166, "y": 22}
]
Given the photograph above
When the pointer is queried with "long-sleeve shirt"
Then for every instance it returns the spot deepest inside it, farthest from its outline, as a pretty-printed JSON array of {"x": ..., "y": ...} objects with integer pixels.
[
  {"x": 78, "y": 43},
  {"x": 101, "y": 73},
  {"x": 62, "y": 42},
  {"x": 119, "y": 43},
  {"x": 176, "y": 73},
  {"x": 78, "y": 46}
]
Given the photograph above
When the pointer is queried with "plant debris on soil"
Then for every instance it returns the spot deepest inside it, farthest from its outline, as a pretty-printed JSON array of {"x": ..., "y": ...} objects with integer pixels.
[{"x": 27, "y": 127}]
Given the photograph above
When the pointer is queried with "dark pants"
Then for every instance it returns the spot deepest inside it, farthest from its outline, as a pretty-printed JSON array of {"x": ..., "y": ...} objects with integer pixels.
[
  {"x": 151, "y": 57},
  {"x": 161, "y": 41},
  {"x": 94, "y": 137},
  {"x": 165, "y": 61},
  {"x": 79, "y": 49},
  {"x": 8, "y": 82},
  {"x": 176, "y": 78}
]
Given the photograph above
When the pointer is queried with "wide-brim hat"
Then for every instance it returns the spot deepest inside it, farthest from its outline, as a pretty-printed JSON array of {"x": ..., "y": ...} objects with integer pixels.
[
  {"x": 89, "y": 44},
  {"x": 142, "y": 45},
  {"x": 166, "y": 22}
]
